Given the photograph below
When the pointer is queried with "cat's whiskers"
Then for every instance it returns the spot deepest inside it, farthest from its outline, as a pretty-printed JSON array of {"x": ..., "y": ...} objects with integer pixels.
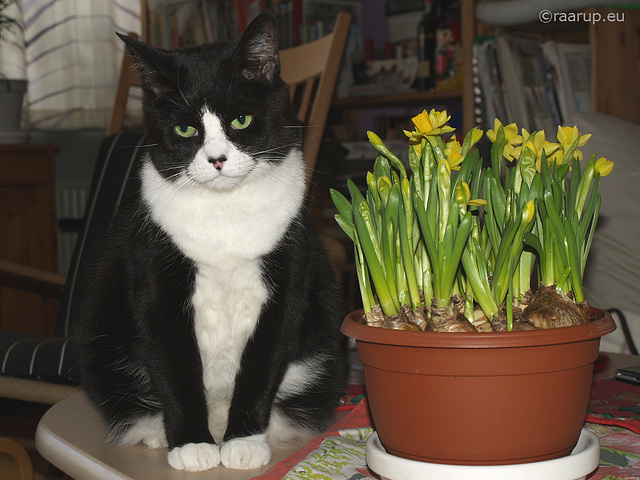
[
  {"x": 180, "y": 181},
  {"x": 276, "y": 149},
  {"x": 175, "y": 102},
  {"x": 144, "y": 145},
  {"x": 180, "y": 89}
]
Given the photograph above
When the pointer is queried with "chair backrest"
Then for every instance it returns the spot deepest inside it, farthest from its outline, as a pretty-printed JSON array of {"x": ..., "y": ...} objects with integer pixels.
[
  {"x": 128, "y": 77},
  {"x": 311, "y": 71}
]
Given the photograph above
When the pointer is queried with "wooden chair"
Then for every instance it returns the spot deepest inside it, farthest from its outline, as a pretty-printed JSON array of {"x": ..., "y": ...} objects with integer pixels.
[
  {"x": 311, "y": 71},
  {"x": 42, "y": 370},
  {"x": 128, "y": 77},
  {"x": 14, "y": 461},
  {"x": 38, "y": 369}
]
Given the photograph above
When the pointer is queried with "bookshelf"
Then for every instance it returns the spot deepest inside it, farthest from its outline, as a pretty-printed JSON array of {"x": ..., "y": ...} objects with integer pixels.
[
  {"x": 397, "y": 99},
  {"x": 314, "y": 16},
  {"x": 614, "y": 63},
  {"x": 203, "y": 21}
]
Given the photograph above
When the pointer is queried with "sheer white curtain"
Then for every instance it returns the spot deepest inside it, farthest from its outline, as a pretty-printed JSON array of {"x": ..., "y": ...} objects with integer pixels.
[{"x": 72, "y": 58}]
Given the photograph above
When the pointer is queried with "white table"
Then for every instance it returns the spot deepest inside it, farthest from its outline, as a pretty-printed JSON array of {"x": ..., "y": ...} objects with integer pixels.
[{"x": 71, "y": 435}]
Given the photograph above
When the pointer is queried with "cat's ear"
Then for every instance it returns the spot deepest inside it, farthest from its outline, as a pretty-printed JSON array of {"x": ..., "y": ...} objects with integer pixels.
[
  {"x": 153, "y": 64},
  {"x": 258, "y": 49}
]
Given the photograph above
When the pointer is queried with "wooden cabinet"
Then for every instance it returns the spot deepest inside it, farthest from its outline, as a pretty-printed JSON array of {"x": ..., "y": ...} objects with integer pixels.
[{"x": 28, "y": 234}]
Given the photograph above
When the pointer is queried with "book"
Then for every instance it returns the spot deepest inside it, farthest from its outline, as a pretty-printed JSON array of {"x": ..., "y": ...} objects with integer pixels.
[
  {"x": 570, "y": 63},
  {"x": 517, "y": 83}
]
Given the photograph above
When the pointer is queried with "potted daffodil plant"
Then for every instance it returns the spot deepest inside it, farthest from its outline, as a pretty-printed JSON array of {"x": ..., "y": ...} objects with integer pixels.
[{"x": 470, "y": 275}]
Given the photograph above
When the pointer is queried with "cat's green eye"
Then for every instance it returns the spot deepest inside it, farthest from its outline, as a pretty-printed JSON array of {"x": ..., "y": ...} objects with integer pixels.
[
  {"x": 241, "y": 122},
  {"x": 185, "y": 131}
]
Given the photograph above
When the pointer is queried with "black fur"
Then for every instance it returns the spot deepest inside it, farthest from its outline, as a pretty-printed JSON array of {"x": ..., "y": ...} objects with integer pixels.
[{"x": 139, "y": 354}]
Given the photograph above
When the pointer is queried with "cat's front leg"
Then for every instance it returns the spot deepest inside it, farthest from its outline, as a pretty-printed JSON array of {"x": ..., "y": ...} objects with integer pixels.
[
  {"x": 246, "y": 452},
  {"x": 261, "y": 371}
]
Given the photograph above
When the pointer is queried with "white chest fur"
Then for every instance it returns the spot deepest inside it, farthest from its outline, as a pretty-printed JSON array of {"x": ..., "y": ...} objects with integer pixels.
[
  {"x": 226, "y": 232},
  {"x": 227, "y": 305},
  {"x": 217, "y": 227}
]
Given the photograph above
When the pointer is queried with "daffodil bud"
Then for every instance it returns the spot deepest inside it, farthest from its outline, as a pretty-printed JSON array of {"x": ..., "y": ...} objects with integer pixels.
[
  {"x": 384, "y": 188},
  {"x": 603, "y": 167},
  {"x": 444, "y": 193},
  {"x": 371, "y": 180},
  {"x": 382, "y": 148},
  {"x": 528, "y": 212},
  {"x": 461, "y": 196},
  {"x": 585, "y": 183},
  {"x": 374, "y": 139}
]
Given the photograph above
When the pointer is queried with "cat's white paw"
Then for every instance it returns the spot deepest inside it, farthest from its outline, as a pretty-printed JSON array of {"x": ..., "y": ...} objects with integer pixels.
[
  {"x": 195, "y": 457},
  {"x": 245, "y": 453}
]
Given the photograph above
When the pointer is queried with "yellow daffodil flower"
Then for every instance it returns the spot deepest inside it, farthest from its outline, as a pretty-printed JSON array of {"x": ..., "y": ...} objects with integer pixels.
[
  {"x": 417, "y": 146},
  {"x": 453, "y": 153},
  {"x": 430, "y": 124},
  {"x": 568, "y": 135},
  {"x": 510, "y": 135},
  {"x": 473, "y": 202},
  {"x": 603, "y": 167},
  {"x": 536, "y": 142},
  {"x": 462, "y": 196},
  {"x": 476, "y": 135},
  {"x": 470, "y": 140}
]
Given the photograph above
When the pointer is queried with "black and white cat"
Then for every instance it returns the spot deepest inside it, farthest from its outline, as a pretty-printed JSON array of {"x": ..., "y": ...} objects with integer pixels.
[{"x": 212, "y": 315}]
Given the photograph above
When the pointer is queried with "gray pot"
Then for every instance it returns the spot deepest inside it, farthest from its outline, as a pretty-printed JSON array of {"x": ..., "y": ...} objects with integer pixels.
[{"x": 11, "y": 97}]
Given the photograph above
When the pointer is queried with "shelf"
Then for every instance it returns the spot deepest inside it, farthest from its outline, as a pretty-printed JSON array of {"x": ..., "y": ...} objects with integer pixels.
[{"x": 398, "y": 99}]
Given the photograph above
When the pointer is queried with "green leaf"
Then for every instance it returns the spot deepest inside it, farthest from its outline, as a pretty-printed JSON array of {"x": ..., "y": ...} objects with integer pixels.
[
  {"x": 372, "y": 257},
  {"x": 342, "y": 204},
  {"x": 527, "y": 166},
  {"x": 381, "y": 167},
  {"x": 462, "y": 235},
  {"x": 533, "y": 241},
  {"x": 498, "y": 202},
  {"x": 416, "y": 170},
  {"x": 346, "y": 225},
  {"x": 574, "y": 260},
  {"x": 576, "y": 174},
  {"x": 568, "y": 153},
  {"x": 474, "y": 265},
  {"x": 496, "y": 151},
  {"x": 356, "y": 195},
  {"x": 407, "y": 258},
  {"x": 426, "y": 229}
]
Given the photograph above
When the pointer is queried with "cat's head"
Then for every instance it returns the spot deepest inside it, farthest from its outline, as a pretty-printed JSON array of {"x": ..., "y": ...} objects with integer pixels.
[{"x": 217, "y": 113}]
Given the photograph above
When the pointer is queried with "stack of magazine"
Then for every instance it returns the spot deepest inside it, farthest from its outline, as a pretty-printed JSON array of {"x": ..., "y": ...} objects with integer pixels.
[{"x": 535, "y": 84}]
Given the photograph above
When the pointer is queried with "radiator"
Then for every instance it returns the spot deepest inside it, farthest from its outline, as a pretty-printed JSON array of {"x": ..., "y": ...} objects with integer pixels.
[{"x": 70, "y": 203}]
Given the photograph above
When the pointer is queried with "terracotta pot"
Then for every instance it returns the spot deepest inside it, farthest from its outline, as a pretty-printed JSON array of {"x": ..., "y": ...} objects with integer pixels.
[{"x": 479, "y": 398}]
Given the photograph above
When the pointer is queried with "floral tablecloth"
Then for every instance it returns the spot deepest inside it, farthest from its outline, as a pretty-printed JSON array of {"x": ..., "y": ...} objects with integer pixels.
[{"x": 613, "y": 415}]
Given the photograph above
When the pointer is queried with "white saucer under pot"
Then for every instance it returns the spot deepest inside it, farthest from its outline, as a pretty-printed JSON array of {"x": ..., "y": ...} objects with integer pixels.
[{"x": 582, "y": 461}]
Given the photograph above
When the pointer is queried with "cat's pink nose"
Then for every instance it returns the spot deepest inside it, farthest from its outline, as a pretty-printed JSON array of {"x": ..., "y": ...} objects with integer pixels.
[{"x": 217, "y": 162}]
